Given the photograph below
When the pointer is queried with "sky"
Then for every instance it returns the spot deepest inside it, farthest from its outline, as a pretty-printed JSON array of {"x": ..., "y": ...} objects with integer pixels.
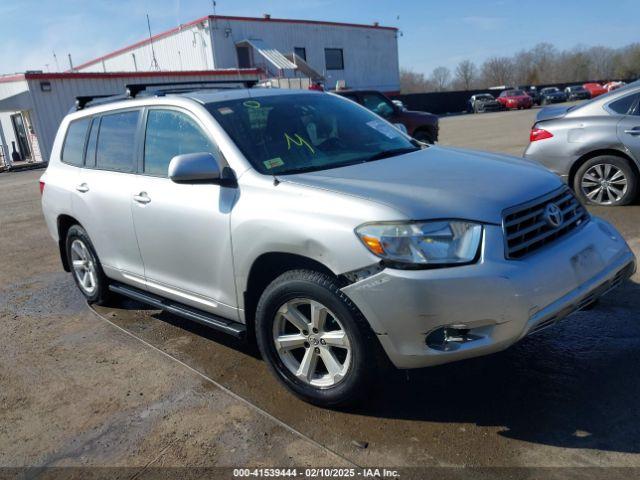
[{"x": 433, "y": 32}]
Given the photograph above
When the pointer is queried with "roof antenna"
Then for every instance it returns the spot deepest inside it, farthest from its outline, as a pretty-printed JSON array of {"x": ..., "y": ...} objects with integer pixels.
[
  {"x": 55, "y": 58},
  {"x": 154, "y": 60}
]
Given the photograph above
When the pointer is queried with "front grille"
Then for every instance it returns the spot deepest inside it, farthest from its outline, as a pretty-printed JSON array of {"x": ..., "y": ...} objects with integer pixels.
[{"x": 526, "y": 228}]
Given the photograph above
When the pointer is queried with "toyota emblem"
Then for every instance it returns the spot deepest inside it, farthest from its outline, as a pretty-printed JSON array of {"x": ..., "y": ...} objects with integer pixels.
[{"x": 553, "y": 215}]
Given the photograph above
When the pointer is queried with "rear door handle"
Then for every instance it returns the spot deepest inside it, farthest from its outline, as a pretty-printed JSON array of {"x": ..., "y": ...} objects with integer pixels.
[
  {"x": 633, "y": 131},
  {"x": 82, "y": 188},
  {"x": 142, "y": 197}
]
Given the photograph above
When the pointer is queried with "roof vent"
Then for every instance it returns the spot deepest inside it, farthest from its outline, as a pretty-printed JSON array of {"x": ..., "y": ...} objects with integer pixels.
[
  {"x": 267, "y": 16},
  {"x": 376, "y": 24}
]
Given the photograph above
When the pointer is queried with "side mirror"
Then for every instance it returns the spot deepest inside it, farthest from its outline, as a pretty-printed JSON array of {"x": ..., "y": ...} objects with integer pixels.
[{"x": 195, "y": 168}]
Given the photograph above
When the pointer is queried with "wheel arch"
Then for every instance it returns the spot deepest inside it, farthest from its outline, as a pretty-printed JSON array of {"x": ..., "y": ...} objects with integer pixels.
[
  {"x": 266, "y": 268},
  {"x": 64, "y": 223},
  {"x": 597, "y": 153}
]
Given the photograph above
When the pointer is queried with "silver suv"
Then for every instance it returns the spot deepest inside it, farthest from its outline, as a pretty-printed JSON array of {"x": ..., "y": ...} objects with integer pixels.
[{"x": 306, "y": 221}]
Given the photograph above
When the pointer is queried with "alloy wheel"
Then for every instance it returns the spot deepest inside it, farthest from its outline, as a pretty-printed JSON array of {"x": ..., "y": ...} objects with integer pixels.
[
  {"x": 604, "y": 184},
  {"x": 84, "y": 267},
  {"x": 311, "y": 342}
]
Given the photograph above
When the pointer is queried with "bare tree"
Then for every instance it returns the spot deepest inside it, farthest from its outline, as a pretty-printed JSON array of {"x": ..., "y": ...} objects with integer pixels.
[
  {"x": 466, "y": 73},
  {"x": 440, "y": 77},
  {"x": 413, "y": 82},
  {"x": 497, "y": 71}
]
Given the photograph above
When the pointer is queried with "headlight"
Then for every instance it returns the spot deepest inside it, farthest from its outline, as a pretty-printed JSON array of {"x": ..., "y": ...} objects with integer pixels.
[{"x": 436, "y": 243}]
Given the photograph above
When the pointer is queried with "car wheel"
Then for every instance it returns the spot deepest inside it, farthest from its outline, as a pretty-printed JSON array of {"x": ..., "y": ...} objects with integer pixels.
[
  {"x": 606, "y": 180},
  {"x": 315, "y": 340},
  {"x": 424, "y": 136},
  {"x": 85, "y": 266}
]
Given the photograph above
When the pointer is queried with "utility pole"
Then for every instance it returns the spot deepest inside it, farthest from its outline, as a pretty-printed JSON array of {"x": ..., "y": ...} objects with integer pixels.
[{"x": 154, "y": 60}]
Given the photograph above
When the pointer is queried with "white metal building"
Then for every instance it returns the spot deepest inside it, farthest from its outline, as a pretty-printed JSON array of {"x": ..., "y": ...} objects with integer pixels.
[
  {"x": 361, "y": 56},
  {"x": 33, "y": 104}
]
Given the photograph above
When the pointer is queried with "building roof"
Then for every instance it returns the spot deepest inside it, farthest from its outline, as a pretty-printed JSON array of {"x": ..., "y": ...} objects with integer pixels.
[
  {"x": 265, "y": 19},
  {"x": 100, "y": 75}
]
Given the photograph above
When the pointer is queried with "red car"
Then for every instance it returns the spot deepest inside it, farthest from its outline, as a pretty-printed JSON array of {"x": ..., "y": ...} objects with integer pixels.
[
  {"x": 594, "y": 89},
  {"x": 515, "y": 99}
]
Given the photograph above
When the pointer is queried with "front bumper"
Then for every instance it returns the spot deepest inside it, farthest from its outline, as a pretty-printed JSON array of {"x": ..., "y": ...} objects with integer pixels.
[{"x": 500, "y": 301}]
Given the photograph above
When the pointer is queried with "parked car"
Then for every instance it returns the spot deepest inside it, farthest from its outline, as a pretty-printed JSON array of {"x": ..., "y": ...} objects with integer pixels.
[
  {"x": 577, "y": 92},
  {"x": 594, "y": 89},
  {"x": 594, "y": 146},
  {"x": 310, "y": 223},
  {"x": 515, "y": 99},
  {"x": 532, "y": 91},
  {"x": 613, "y": 86},
  {"x": 484, "y": 102},
  {"x": 552, "y": 95},
  {"x": 422, "y": 126}
]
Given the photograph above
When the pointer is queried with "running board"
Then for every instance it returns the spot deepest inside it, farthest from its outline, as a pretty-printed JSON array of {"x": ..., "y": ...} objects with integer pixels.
[{"x": 208, "y": 319}]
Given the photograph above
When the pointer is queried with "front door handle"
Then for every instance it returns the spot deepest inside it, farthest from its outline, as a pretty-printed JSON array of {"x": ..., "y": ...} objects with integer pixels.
[
  {"x": 142, "y": 197},
  {"x": 633, "y": 131},
  {"x": 82, "y": 188}
]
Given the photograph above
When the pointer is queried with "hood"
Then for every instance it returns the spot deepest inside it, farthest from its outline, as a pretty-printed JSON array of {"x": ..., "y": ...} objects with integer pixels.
[
  {"x": 551, "y": 113},
  {"x": 439, "y": 183}
]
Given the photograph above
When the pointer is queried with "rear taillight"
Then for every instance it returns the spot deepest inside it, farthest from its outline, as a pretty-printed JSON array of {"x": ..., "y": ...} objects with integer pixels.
[
  {"x": 41, "y": 187},
  {"x": 539, "y": 134}
]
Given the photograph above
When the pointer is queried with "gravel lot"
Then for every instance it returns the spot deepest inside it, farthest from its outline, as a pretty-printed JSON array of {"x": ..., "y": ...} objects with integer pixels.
[{"x": 139, "y": 388}]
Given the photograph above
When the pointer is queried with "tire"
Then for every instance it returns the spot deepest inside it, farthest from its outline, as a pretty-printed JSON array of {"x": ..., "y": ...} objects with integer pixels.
[
  {"x": 606, "y": 180},
  {"x": 79, "y": 248},
  {"x": 292, "y": 296},
  {"x": 424, "y": 136}
]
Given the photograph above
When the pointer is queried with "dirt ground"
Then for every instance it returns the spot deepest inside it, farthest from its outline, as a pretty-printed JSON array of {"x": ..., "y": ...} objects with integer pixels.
[{"x": 132, "y": 387}]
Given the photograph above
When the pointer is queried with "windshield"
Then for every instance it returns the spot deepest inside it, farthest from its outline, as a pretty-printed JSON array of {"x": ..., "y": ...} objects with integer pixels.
[
  {"x": 514, "y": 93},
  {"x": 550, "y": 90},
  {"x": 484, "y": 97},
  {"x": 282, "y": 134}
]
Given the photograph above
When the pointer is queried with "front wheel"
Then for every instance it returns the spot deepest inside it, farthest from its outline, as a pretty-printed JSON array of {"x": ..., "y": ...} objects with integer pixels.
[
  {"x": 606, "y": 180},
  {"x": 314, "y": 339},
  {"x": 424, "y": 136}
]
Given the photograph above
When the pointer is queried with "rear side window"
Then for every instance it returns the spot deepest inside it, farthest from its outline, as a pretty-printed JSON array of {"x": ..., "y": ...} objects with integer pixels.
[
  {"x": 73, "y": 148},
  {"x": 116, "y": 141},
  {"x": 171, "y": 133},
  {"x": 623, "y": 105}
]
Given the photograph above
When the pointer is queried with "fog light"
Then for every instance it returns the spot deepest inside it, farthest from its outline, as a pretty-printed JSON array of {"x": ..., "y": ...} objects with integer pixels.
[{"x": 449, "y": 337}]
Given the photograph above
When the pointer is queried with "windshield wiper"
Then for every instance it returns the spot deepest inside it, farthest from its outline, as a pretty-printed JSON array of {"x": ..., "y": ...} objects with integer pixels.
[{"x": 391, "y": 153}]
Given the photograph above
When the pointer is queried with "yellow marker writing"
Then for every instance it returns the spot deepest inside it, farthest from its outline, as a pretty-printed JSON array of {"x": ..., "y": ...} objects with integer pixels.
[{"x": 298, "y": 141}]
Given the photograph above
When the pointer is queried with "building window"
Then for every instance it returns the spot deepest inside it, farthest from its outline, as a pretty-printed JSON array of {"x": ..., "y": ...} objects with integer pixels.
[
  {"x": 333, "y": 59},
  {"x": 300, "y": 52}
]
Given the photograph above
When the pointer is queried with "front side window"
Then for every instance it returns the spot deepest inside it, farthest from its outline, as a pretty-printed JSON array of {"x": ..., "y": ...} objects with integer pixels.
[
  {"x": 116, "y": 141},
  {"x": 333, "y": 59},
  {"x": 377, "y": 104},
  {"x": 73, "y": 148},
  {"x": 292, "y": 133},
  {"x": 170, "y": 133}
]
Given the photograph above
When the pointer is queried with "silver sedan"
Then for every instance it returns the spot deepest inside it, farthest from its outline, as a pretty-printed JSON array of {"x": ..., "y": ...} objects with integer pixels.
[{"x": 593, "y": 146}]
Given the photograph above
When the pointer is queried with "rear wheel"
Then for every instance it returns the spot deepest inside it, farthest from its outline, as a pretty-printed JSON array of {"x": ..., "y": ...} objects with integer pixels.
[
  {"x": 314, "y": 339},
  {"x": 606, "y": 180},
  {"x": 85, "y": 266}
]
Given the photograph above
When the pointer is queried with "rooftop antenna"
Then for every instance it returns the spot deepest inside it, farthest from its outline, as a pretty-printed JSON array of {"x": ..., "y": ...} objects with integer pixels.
[
  {"x": 55, "y": 58},
  {"x": 70, "y": 62},
  {"x": 154, "y": 60}
]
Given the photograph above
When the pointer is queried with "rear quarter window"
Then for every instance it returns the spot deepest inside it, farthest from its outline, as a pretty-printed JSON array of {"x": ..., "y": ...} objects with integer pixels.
[
  {"x": 623, "y": 105},
  {"x": 73, "y": 147}
]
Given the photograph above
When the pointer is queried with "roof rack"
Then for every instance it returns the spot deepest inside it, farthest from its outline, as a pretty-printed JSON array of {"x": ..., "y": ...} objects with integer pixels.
[{"x": 134, "y": 89}]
